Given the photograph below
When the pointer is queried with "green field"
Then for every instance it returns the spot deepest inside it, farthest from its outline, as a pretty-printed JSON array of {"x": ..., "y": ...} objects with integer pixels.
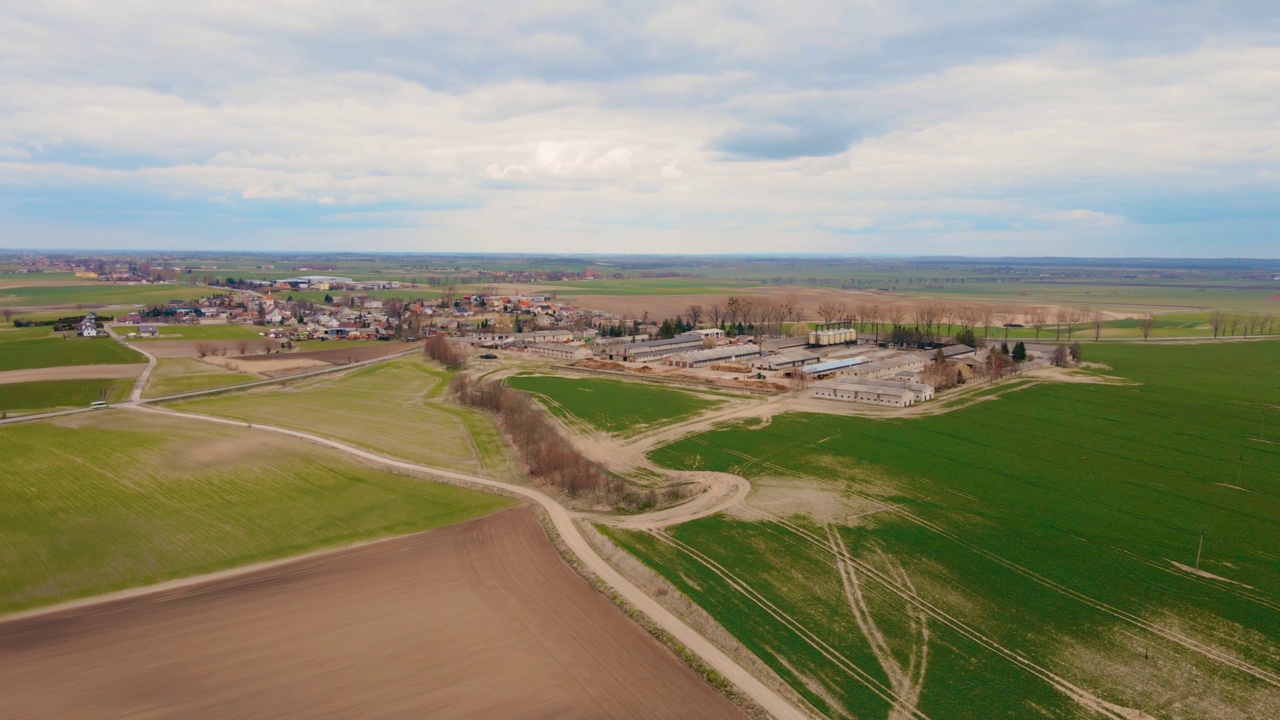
[
  {"x": 197, "y": 332},
  {"x": 38, "y": 347},
  {"x": 57, "y": 394},
  {"x": 118, "y": 499},
  {"x": 91, "y": 293},
  {"x": 181, "y": 375},
  {"x": 397, "y": 408},
  {"x": 614, "y": 406},
  {"x": 978, "y": 563}
]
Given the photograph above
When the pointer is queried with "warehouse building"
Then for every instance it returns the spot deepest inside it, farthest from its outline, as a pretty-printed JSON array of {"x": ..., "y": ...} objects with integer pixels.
[
  {"x": 560, "y": 351},
  {"x": 655, "y": 349},
  {"x": 888, "y": 367},
  {"x": 833, "y": 367},
  {"x": 891, "y": 393},
  {"x": 785, "y": 359},
  {"x": 703, "y": 358}
]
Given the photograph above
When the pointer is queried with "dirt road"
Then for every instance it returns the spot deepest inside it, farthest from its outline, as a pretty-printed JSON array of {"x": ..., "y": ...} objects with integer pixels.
[{"x": 481, "y": 619}]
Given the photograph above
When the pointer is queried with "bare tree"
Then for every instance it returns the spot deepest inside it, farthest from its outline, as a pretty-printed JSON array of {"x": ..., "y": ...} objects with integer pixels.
[
  {"x": 829, "y": 311},
  {"x": 243, "y": 347},
  {"x": 733, "y": 309},
  {"x": 694, "y": 314},
  {"x": 203, "y": 348},
  {"x": 1217, "y": 319},
  {"x": 716, "y": 313},
  {"x": 1038, "y": 318},
  {"x": 1096, "y": 319},
  {"x": 873, "y": 315},
  {"x": 895, "y": 314},
  {"x": 1145, "y": 324},
  {"x": 7, "y": 313},
  {"x": 986, "y": 315},
  {"x": 448, "y": 294},
  {"x": 791, "y": 305},
  {"x": 1233, "y": 322}
]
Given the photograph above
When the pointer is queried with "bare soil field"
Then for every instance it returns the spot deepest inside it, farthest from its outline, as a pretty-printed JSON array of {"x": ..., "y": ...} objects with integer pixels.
[
  {"x": 481, "y": 619},
  {"x": 72, "y": 372}
]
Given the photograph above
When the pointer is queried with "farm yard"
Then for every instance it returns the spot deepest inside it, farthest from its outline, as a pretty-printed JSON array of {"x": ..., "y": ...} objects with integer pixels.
[
  {"x": 396, "y": 408},
  {"x": 1069, "y": 550},
  {"x": 477, "y": 620},
  {"x": 617, "y": 407},
  {"x": 117, "y": 499},
  {"x": 39, "y": 347}
]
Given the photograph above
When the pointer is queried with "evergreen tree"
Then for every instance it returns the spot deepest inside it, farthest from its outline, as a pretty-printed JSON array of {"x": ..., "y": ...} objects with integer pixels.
[
  {"x": 665, "y": 330},
  {"x": 1004, "y": 348},
  {"x": 328, "y": 299},
  {"x": 1020, "y": 352}
]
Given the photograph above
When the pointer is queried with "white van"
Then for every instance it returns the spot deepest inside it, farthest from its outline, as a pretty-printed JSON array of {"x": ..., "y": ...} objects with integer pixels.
[{"x": 98, "y": 405}]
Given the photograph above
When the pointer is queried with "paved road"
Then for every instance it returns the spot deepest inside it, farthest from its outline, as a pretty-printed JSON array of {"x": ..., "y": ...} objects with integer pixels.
[{"x": 563, "y": 519}]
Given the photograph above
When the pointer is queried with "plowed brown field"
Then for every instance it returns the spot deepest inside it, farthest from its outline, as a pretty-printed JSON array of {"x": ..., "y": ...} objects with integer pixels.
[{"x": 481, "y": 619}]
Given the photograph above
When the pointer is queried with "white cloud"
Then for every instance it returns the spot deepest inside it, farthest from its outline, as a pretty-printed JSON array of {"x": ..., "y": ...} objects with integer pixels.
[{"x": 608, "y": 116}]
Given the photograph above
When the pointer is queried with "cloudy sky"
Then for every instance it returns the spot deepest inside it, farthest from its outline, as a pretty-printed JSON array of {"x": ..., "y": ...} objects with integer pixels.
[{"x": 1036, "y": 127}]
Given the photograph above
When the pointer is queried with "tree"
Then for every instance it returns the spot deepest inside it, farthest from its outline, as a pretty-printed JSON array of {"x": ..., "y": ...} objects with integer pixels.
[
  {"x": 829, "y": 311},
  {"x": 694, "y": 313},
  {"x": 1075, "y": 351},
  {"x": 8, "y": 314},
  {"x": 733, "y": 309},
  {"x": 1038, "y": 318},
  {"x": 243, "y": 347},
  {"x": 1020, "y": 352},
  {"x": 966, "y": 336},
  {"x": 1145, "y": 324},
  {"x": 328, "y": 299},
  {"x": 1095, "y": 317},
  {"x": 203, "y": 348},
  {"x": 986, "y": 314},
  {"x": 715, "y": 312},
  {"x": 1060, "y": 355},
  {"x": 666, "y": 331}
]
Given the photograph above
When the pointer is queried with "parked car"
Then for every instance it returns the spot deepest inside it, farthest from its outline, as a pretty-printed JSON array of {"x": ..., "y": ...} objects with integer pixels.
[{"x": 488, "y": 356}]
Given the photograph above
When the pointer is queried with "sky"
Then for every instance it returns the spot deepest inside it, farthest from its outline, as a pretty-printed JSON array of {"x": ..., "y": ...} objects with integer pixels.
[{"x": 956, "y": 127}]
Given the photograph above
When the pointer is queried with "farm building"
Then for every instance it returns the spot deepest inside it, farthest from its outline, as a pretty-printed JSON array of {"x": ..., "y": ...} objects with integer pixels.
[
  {"x": 894, "y": 393},
  {"x": 655, "y": 349},
  {"x": 888, "y": 367},
  {"x": 958, "y": 352},
  {"x": 603, "y": 345},
  {"x": 711, "y": 356},
  {"x": 788, "y": 358},
  {"x": 833, "y": 367},
  {"x": 779, "y": 344},
  {"x": 545, "y": 336},
  {"x": 560, "y": 351},
  {"x": 148, "y": 331},
  {"x": 714, "y": 333}
]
